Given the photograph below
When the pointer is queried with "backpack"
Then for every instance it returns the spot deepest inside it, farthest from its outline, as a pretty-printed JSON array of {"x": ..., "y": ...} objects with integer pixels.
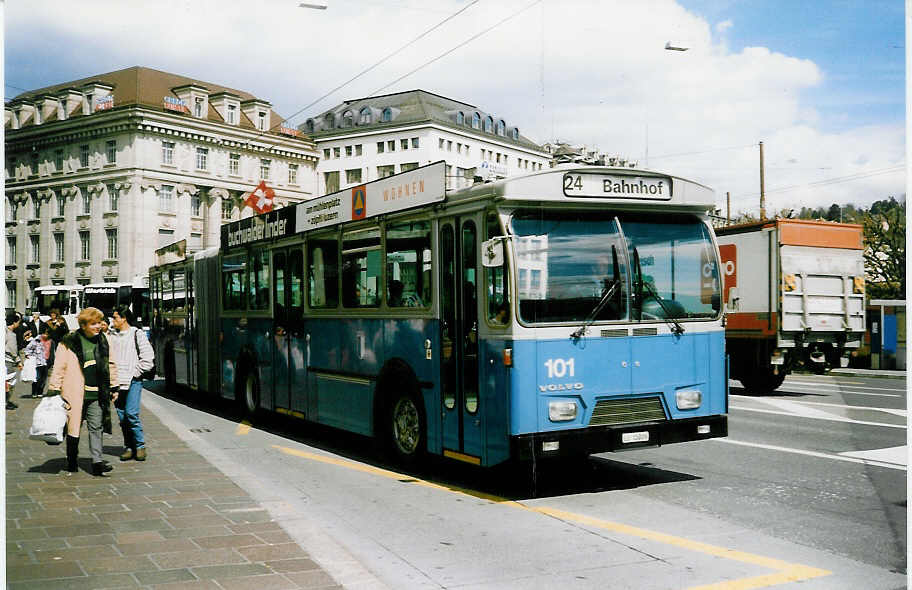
[{"x": 145, "y": 375}]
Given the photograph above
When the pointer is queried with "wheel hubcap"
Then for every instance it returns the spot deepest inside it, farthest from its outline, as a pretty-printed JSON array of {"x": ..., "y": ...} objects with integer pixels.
[
  {"x": 251, "y": 396},
  {"x": 406, "y": 427}
]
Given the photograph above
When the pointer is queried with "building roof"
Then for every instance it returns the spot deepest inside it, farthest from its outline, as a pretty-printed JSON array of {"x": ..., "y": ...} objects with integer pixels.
[
  {"x": 409, "y": 108},
  {"x": 144, "y": 87}
]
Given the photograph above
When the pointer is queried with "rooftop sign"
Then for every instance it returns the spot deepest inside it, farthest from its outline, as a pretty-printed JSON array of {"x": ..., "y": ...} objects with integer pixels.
[
  {"x": 593, "y": 185},
  {"x": 274, "y": 225}
]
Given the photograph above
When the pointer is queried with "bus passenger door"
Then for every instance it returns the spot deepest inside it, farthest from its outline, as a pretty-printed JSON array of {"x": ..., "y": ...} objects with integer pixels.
[
  {"x": 463, "y": 416},
  {"x": 287, "y": 266}
]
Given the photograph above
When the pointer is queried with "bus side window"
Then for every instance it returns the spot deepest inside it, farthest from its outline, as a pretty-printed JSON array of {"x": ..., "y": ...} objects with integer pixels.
[
  {"x": 259, "y": 281},
  {"x": 323, "y": 272},
  {"x": 361, "y": 268},
  {"x": 408, "y": 264},
  {"x": 498, "y": 282},
  {"x": 233, "y": 273}
]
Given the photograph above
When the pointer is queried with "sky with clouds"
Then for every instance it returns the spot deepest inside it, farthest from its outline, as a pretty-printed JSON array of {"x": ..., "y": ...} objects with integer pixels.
[{"x": 821, "y": 83}]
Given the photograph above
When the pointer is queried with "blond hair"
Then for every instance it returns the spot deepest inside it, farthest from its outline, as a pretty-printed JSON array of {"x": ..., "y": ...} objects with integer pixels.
[{"x": 88, "y": 316}]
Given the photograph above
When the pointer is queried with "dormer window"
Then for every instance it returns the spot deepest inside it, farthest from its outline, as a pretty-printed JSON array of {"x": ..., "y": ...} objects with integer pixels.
[
  {"x": 488, "y": 125},
  {"x": 348, "y": 119},
  {"x": 231, "y": 117},
  {"x": 309, "y": 126},
  {"x": 387, "y": 115},
  {"x": 61, "y": 110},
  {"x": 460, "y": 118},
  {"x": 261, "y": 120},
  {"x": 37, "y": 116},
  {"x": 198, "y": 107},
  {"x": 365, "y": 117},
  {"x": 501, "y": 127},
  {"x": 476, "y": 121},
  {"x": 329, "y": 121},
  {"x": 90, "y": 102},
  {"x": 516, "y": 133}
]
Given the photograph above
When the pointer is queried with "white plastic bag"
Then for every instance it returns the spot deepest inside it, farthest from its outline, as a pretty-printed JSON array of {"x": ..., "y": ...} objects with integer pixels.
[
  {"x": 29, "y": 372},
  {"x": 49, "y": 420}
]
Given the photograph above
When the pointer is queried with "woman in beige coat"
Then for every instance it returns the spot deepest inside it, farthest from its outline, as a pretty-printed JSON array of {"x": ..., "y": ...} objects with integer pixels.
[{"x": 85, "y": 375}]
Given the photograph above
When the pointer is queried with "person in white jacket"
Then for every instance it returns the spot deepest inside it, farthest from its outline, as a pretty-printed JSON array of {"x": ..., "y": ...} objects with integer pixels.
[{"x": 134, "y": 356}]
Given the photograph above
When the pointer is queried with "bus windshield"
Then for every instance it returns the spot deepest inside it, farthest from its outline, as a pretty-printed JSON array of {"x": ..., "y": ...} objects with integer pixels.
[
  {"x": 106, "y": 298},
  {"x": 566, "y": 262},
  {"x": 45, "y": 301}
]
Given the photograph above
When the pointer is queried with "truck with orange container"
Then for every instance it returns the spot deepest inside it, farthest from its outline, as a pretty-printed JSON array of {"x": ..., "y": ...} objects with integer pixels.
[{"x": 793, "y": 293}]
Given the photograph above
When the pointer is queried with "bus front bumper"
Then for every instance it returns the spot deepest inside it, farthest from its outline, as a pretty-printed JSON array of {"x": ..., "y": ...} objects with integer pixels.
[{"x": 600, "y": 439}]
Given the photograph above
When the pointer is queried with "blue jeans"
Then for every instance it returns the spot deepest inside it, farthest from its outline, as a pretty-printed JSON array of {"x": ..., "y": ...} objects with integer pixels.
[{"x": 128, "y": 412}]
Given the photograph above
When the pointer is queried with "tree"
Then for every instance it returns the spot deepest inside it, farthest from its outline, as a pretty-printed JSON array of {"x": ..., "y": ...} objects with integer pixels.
[{"x": 885, "y": 249}]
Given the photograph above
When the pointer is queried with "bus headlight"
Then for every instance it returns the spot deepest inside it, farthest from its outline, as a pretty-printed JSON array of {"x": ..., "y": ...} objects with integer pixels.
[
  {"x": 561, "y": 411},
  {"x": 688, "y": 399}
]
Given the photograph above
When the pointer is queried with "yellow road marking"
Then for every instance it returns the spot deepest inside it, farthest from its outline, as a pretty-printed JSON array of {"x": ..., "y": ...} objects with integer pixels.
[
  {"x": 243, "y": 428},
  {"x": 785, "y": 571}
]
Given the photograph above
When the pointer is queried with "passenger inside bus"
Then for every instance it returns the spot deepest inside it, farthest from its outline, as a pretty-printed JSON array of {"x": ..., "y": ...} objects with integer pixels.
[{"x": 394, "y": 298}]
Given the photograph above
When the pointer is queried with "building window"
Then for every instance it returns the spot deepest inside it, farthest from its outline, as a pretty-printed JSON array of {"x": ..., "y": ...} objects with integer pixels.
[
  {"x": 348, "y": 151},
  {"x": 500, "y": 127},
  {"x": 196, "y": 242},
  {"x": 198, "y": 107},
  {"x": 165, "y": 237},
  {"x": 365, "y": 116},
  {"x": 36, "y": 208},
  {"x": 265, "y": 164},
  {"x": 329, "y": 121},
  {"x": 347, "y": 119},
  {"x": 202, "y": 158},
  {"x": 195, "y": 205},
  {"x": 404, "y": 143},
  {"x": 227, "y": 209},
  {"x": 261, "y": 117},
  {"x": 34, "y": 250},
  {"x": 11, "y": 294},
  {"x": 391, "y": 145},
  {"x": 83, "y": 156},
  {"x": 58, "y": 160},
  {"x": 353, "y": 176},
  {"x": 12, "y": 211},
  {"x": 86, "y": 203},
  {"x": 476, "y": 121},
  {"x": 112, "y": 243},
  {"x": 460, "y": 118},
  {"x": 448, "y": 175},
  {"x": 406, "y": 166},
  {"x": 112, "y": 198},
  {"x": 440, "y": 143},
  {"x": 384, "y": 171},
  {"x": 326, "y": 153},
  {"x": 61, "y": 205},
  {"x": 380, "y": 147},
  {"x": 357, "y": 149},
  {"x": 234, "y": 164},
  {"x": 58, "y": 248},
  {"x": 292, "y": 174},
  {"x": 168, "y": 152},
  {"x": 387, "y": 115},
  {"x": 309, "y": 126},
  {"x": 337, "y": 152},
  {"x": 85, "y": 245},
  {"x": 37, "y": 115},
  {"x": 415, "y": 143},
  {"x": 111, "y": 152},
  {"x": 11, "y": 249},
  {"x": 449, "y": 145},
  {"x": 232, "y": 114},
  {"x": 488, "y": 124},
  {"x": 332, "y": 181},
  {"x": 33, "y": 170},
  {"x": 516, "y": 134},
  {"x": 166, "y": 198}
]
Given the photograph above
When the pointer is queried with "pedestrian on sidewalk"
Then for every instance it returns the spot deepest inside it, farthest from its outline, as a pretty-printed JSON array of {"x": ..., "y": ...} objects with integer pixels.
[
  {"x": 134, "y": 356},
  {"x": 57, "y": 329},
  {"x": 85, "y": 375},
  {"x": 11, "y": 357},
  {"x": 39, "y": 350}
]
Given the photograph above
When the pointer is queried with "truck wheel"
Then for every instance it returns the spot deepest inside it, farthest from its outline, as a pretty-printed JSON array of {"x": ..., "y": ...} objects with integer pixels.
[{"x": 406, "y": 428}]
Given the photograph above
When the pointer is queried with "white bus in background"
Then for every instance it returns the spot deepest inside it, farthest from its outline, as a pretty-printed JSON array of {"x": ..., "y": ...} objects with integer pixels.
[
  {"x": 107, "y": 296},
  {"x": 67, "y": 299}
]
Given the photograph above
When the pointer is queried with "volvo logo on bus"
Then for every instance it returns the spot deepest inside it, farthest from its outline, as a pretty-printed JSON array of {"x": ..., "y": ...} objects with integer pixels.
[{"x": 560, "y": 387}]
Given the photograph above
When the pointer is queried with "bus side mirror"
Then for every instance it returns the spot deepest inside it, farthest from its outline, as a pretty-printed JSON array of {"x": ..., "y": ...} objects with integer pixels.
[{"x": 492, "y": 252}]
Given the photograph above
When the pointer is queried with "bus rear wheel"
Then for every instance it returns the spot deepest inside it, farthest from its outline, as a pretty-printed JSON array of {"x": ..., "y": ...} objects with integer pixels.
[
  {"x": 249, "y": 393},
  {"x": 763, "y": 382},
  {"x": 406, "y": 428}
]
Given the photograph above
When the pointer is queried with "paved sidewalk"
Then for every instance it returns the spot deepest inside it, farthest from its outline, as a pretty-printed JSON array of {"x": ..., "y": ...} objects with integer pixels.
[{"x": 173, "y": 521}]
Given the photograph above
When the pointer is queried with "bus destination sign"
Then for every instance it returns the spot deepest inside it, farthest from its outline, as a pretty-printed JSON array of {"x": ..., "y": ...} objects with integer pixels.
[
  {"x": 271, "y": 226},
  {"x": 617, "y": 186},
  {"x": 394, "y": 193}
]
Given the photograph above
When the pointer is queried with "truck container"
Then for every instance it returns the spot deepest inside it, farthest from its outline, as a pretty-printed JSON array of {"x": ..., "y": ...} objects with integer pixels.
[{"x": 793, "y": 293}]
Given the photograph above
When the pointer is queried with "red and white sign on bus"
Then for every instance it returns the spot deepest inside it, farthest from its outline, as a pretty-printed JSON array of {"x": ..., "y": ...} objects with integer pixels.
[{"x": 261, "y": 199}]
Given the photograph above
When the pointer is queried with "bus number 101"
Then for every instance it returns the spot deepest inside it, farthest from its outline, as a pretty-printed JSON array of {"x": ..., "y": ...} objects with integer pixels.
[{"x": 558, "y": 368}]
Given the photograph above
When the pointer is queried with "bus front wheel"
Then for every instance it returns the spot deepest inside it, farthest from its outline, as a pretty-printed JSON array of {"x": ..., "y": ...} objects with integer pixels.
[{"x": 406, "y": 428}]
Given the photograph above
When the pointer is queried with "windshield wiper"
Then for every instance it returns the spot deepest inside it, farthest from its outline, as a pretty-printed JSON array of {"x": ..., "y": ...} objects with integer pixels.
[
  {"x": 675, "y": 326},
  {"x": 590, "y": 319}
]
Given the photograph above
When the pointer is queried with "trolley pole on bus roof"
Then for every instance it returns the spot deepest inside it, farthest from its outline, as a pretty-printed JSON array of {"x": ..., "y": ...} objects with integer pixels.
[
  {"x": 762, "y": 191},
  {"x": 728, "y": 208}
]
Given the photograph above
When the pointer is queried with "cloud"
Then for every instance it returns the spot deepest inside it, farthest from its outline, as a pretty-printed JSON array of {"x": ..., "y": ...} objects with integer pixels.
[{"x": 592, "y": 72}]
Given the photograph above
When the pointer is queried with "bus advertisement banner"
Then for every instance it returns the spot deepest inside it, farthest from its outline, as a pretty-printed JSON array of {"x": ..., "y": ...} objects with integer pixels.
[
  {"x": 394, "y": 193},
  {"x": 271, "y": 226}
]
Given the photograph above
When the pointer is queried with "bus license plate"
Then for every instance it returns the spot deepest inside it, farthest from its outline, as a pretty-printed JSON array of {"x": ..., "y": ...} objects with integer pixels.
[{"x": 634, "y": 437}]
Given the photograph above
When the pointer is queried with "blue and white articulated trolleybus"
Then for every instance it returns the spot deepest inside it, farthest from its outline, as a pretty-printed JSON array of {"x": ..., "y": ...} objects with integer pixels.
[{"x": 567, "y": 312}]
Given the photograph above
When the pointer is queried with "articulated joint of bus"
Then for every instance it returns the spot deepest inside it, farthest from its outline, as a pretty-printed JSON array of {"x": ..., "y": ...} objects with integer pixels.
[{"x": 586, "y": 441}]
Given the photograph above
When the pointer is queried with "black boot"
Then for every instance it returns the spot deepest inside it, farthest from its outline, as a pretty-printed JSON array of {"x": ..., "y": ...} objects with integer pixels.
[
  {"x": 72, "y": 453},
  {"x": 99, "y": 469}
]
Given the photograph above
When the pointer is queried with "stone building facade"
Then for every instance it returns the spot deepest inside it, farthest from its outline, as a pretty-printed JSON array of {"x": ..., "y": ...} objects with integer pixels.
[{"x": 100, "y": 172}]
